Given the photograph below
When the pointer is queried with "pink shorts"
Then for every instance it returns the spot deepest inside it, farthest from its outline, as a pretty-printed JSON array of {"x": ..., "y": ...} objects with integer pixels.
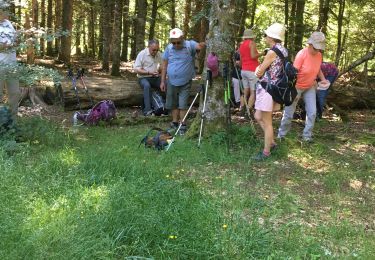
[{"x": 263, "y": 100}]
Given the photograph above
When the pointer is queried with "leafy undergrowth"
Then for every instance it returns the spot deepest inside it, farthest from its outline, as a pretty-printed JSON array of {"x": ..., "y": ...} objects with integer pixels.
[{"x": 92, "y": 193}]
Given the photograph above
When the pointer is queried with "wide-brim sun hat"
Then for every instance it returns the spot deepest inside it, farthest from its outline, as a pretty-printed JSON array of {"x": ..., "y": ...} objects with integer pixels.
[
  {"x": 248, "y": 34},
  {"x": 276, "y": 31},
  {"x": 175, "y": 33},
  {"x": 317, "y": 40}
]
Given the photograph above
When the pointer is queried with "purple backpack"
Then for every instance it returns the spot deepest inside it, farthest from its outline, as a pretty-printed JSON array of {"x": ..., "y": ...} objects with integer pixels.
[{"x": 105, "y": 110}]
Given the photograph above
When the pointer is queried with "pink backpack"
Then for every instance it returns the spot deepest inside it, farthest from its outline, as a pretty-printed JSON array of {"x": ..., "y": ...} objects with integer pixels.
[{"x": 213, "y": 64}]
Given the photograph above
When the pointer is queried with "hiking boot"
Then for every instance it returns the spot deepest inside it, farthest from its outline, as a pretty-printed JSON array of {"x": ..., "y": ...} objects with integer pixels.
[
  {"x": 148, "y": 113},
  {"x": 260, "y": 156},
  {"x": 183, "y": 130},
  {"x": 173, "y": 126},
  {"x": 307, "y": 139}
]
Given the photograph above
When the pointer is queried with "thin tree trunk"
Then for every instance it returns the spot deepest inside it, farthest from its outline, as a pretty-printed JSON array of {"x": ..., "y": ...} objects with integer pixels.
[
  {"x": 187, "y": 17},
  {"x": 252, "y": 14},
  {"x": 154, "y": 12},
  {"x": 91, "y": 31},
  {"x": 173, "y": 13},
  {"x": 107, "y": 33},
  {"x": 242, "y": 11},
  {"x": 368, "y": 56},
  {"x": 197, "y": 25},
  {"x": 78, "y": 33},
  {"x": 340, "y": 19},
  {"x": 117, "y": 27},
  {"x": 292, "y": 19},
  {"x": 323, "y": 15},
  {"x": 299, "y": 26},
  {"x": 286, "y": 21},
  {"x": 125, "y": 30},
  {"x": 57, "y": 25},
  {"x": 42, "y": 25},
  {"x": 67, "y": 24},
  {"x": 49, "y": 27},
  {"x": 140, "y": 28}
]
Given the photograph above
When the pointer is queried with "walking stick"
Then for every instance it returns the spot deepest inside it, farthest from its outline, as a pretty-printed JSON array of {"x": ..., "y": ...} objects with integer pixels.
[
  {"x": 74, "y": 83},
  {"x": 183, "y": 120},
  {"x": 80, "y": 74},
  {"x": 208, "y": 81},
  {"x": 226, "y": 101}
]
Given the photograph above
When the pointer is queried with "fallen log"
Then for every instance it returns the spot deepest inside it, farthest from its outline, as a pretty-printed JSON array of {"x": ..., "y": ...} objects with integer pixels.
[{"x": 121, "y": 92}]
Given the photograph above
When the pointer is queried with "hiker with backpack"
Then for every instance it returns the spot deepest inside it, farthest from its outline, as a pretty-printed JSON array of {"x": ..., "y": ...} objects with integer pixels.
[
  {"x": 307, "y": 62},
  {"x": 330, "y": 72},
  {"x": 268, "y": 73},
  {"x": 147, "y": 66},
  {"x": 8, "y": 42},
  {"x": 249, "y": 62},
  {"x": 177, "y": 74}
]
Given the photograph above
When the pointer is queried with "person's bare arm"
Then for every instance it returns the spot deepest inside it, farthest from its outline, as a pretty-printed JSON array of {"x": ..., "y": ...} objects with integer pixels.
[
  {"x": 253, "y": 52},
  {"x": 164, "y": 66},
  {"x": 268, "y": 59}
]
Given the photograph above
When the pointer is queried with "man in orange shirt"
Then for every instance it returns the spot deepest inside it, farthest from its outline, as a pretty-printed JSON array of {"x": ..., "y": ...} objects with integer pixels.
[{"x": 308, "y": 61}]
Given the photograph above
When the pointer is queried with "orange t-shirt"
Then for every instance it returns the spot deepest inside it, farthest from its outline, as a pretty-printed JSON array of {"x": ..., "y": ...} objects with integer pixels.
[
  {"x": 248, "y": 63},
  {"x": 308, "y": 68}
]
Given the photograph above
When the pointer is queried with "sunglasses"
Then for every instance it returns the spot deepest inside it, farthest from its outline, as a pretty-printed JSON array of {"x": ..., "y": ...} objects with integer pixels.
[{"x": 176, "y": 43}]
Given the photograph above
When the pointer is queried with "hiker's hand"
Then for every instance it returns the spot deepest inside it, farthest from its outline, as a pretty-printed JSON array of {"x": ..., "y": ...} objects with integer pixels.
[
  {"x": 162, "y": 87},
  {"x": 258, "y": 72},
  {"x": 155, "y": 74}
]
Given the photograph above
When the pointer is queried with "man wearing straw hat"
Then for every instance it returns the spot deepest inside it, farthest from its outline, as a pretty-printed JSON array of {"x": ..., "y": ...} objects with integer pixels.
[{"x": 249, "y": 62}]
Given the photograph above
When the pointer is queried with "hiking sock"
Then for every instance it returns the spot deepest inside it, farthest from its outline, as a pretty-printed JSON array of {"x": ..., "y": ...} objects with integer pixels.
[{"x": 265, "y": 153}]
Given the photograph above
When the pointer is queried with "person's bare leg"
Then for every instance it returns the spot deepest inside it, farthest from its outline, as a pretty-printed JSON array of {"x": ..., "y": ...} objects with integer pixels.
[
  {"x": 251, "y": 100},
  {"x": 175, "y": 114},
  {"x": 268, "y": 131},
  {"x": 182, "y": 113}
]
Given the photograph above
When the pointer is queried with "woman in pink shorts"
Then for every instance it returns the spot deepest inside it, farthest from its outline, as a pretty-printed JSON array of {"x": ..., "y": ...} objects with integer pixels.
[{"x": 268, "y": 71}]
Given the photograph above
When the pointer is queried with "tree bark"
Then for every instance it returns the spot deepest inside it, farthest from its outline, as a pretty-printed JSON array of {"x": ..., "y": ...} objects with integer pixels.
[
  {"x": 299, "y": 26},
  {"x": 252, "y": 15},
  {"x": 107, "y": 33},
  {"x": 242, "y": 13},
  {"x": 154, "y": 12},
  {"x": 366, "y": 57},
  {"x": 125, "y": 29},
  {"x": 286, "y": 21},
  {"x": 340, "y": 19},
  {"x": 140, "y": 28},
  {"x": 290, "y": 40},
  {"x": 117, "y": 28},
  {"x": 67, "y": 24},
  {"x": 173, "y": 13},
  {"x": 42, "y": 25},
  {"x": 187, "y": 11},
  {"x": 49, "y": 26},
  {"x": 91, "y": 30},
  {"x": 323, "y": 15},
  {"x": 57, "y": 25}
]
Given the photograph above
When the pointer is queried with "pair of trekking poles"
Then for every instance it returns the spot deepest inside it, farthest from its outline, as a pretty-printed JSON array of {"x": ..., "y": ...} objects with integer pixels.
[
  {"x": 74, "y": 78},
  {"x": 200, "y": 89}
]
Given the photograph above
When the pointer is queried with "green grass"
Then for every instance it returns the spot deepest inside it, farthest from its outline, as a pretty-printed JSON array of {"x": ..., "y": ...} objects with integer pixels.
[{"x": 92, "y": 193}]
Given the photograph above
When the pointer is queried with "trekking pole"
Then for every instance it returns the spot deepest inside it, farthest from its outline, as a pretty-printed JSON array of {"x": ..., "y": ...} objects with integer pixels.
[
  {"x": 183, "y": 120},
  {"x": 208, "y": 81},
  {"x": 244, "y": 98},
  {"x": 226, "y": 101},
  {"x": 74, "y": 83},
  {"x": 80, "y": 74}
]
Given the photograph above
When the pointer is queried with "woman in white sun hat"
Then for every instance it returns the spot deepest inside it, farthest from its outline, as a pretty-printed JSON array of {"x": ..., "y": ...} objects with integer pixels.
[
  {"x": 264, "y": 104},
  {"x": 307, "y": 62}
]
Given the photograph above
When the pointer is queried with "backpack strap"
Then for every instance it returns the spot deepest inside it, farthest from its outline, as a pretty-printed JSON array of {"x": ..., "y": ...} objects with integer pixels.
[{"x": 279, "y": 53}]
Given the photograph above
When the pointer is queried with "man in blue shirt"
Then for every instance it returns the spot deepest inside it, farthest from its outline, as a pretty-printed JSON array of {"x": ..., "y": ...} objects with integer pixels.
[{"x": 177, "y": 73}]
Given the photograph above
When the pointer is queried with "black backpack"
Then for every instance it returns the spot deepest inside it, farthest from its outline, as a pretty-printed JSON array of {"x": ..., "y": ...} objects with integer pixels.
[
  {"x": 157, "y": 103},
  {"x": 159, "y": 141},
  {"x": 283, "y": 91}
]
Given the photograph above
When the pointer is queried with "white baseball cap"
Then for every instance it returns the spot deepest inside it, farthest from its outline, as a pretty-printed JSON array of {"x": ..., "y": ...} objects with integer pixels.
[{"x": 175, "y": 33}]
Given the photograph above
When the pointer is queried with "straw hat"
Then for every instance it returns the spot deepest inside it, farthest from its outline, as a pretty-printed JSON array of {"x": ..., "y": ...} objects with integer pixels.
[
  {"x": 276, "y": 31},
  {"x": 317, "y": 40},
  {"x": 248, "y": 34}
]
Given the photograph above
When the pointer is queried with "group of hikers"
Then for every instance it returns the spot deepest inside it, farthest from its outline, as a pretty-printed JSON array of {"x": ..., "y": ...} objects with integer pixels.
[{"x": 172, "y": 72}]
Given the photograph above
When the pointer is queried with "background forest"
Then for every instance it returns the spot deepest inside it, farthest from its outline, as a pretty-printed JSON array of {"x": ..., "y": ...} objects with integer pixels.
[{"x": 116, "y": 30}]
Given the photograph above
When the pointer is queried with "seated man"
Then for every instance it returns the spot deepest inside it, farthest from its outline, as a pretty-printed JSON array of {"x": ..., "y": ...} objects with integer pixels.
[{"x": 147, "y": 66}]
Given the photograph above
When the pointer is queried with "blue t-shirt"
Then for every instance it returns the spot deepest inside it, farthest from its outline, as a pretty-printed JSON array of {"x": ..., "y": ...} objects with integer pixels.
[{"x": 180, "y": 68}]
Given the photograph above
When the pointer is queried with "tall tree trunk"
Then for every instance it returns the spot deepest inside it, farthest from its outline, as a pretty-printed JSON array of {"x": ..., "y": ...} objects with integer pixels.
[
  {"x": 292, "y": 22},
  {"x": 172, "y": 12},
  {"x": 299, "y": 26},
  {"x": 286, "y": 21},
  {"x": 35, "y": 13},
  {"x": 107, "y": 33},
  {"x": 57, "y": 25},
  {"x": 154, "y": 12},
  {"x": 91, "y": 30},
  {"x": 116, "y": 39},
  {"x": 49, "y": 27},
  {"x": 242, "y": 14},
  {"x": 30, "y": 43},
  {"x": 187, "y": 17},
  {"x": 125, "y": 30},
  {"x": 43, "y": 25},
  {"x": 197, "y": 25},
  {"x": 67, "y": 24},
  {"x": 340, "y": 19},
  {"x": 221, "y": 38},
  {"x": 252, "y": 14},
  {"x": 323, "y": 15},
  {"x": 140, "y": 28},
  {"x": 79, "y": 23}
]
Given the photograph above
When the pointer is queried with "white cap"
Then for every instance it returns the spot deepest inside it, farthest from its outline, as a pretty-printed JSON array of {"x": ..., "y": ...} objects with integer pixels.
[
  {"x": 276, "y": 31},
  {"x": 175, "y": 33}
]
